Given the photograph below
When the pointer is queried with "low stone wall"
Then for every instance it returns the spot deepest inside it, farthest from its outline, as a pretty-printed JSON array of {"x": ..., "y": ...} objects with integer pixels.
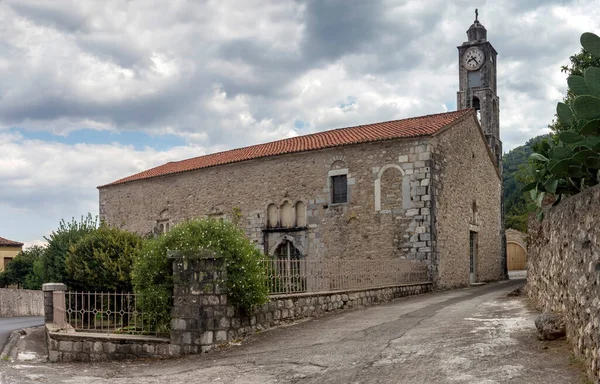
[
  {"x": 80, "y": 346},
  {"x": 564, "y": 270},
  {"x": 21, "y": 302},
  {"x": 202, "y": 318}
]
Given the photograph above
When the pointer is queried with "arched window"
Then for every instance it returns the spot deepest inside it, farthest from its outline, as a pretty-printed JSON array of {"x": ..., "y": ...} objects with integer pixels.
[
  {"x": 272, "y": 216},
  {"x": 287, "y": 215},
  {"x": 498, "y": 155},
  {"x": 474, "y": 213},
  {"x": 300, "y": 214}
]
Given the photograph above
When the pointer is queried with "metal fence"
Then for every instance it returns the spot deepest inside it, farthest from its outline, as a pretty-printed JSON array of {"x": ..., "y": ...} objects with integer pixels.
[
  {"x": 104, "y": 313},
  {"x": 285, "y": 276}
]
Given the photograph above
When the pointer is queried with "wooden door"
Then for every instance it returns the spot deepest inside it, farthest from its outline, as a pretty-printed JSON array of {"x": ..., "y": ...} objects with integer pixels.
[{"x": 517, "y": 257}]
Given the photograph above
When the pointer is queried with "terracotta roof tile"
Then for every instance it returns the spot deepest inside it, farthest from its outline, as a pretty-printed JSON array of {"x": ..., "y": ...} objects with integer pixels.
[
  {"x": 412, "y": 127},
  {"x": 6, "y": 242}
]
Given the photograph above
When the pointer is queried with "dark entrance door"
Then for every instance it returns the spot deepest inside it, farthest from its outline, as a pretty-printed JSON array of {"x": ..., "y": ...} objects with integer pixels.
[{"x": 472, "y": 257}]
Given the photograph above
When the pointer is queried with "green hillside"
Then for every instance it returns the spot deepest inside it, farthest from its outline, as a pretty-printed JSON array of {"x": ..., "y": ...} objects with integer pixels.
[{"x": 514, "y": 174}]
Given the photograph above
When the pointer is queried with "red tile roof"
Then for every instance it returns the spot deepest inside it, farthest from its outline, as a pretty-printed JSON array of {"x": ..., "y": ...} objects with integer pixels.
[
  {"x": 412, "y": 127},
  {"x": 9, "y": 243}
]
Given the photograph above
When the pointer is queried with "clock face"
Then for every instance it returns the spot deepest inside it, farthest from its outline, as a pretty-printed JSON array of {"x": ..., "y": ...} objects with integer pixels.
[{"x": 473, "y": 59}]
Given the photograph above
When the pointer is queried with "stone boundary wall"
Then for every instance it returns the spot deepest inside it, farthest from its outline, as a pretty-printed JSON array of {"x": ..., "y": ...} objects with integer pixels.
[
  {"x": 21, "y": 302},
  {"x": 216, "y": 323},
  {"x": 80, "y": 346},
  {"x": 564, "y": 270},
  {"x": 225, "y": 325},
  {"x": 202, "y": 317}
]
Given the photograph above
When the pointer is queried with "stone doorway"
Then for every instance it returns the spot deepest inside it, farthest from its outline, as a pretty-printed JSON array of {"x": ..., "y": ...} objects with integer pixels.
[{"x": 472, "y": 257}]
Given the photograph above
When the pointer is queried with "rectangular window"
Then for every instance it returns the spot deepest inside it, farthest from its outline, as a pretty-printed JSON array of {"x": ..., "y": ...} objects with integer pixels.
[
  {"x": 6, "y": 261},
  {"x": 339, "y": 188}
]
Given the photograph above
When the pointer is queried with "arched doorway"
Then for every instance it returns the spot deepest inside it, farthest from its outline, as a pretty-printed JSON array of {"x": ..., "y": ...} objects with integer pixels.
[
  {"x": 289, "y": 268},
  {"x": 517, "y": 256}
]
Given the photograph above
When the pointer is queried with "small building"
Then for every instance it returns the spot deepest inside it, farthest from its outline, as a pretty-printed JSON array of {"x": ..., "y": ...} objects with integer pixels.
[
  {"x": 8, "y": 250},
  {"x": 516, "y": 250}
]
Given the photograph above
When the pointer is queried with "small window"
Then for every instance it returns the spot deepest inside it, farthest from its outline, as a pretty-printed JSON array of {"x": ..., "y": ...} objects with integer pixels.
[{"x": 339, "y": 188}]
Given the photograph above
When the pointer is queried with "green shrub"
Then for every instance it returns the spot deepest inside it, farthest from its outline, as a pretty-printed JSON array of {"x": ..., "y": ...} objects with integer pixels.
[
  {"x": 102, "y": 260},
  {"x": 153, "y": 272},
  {"x": 59, "y": 242}
]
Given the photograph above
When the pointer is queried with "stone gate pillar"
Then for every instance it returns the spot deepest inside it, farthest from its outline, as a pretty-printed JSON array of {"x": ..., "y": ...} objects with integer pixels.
[
  {"x": 49, "y": 289},
  {"x": 201, "y": 317}
]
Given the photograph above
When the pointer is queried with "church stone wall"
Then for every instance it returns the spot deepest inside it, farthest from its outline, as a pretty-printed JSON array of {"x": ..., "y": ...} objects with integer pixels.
[
  {"x": 399, "y": 227},
  {"x": 463, "y": 174}
]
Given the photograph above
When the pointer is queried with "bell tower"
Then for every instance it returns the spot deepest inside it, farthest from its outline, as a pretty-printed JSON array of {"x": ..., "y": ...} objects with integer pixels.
[{"x": 477, "y": 83}]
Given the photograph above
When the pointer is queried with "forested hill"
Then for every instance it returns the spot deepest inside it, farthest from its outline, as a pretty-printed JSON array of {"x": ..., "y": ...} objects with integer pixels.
[{"x": 515, "y": 204}]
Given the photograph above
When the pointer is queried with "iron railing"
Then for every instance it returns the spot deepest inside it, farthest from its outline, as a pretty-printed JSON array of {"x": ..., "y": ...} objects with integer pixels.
[
  {"x": 105, "y": 313},
  {"x": 285, "y": 276}
]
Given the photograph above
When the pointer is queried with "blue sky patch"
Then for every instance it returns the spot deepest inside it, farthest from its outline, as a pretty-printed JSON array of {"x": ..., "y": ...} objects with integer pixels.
[{"x": 139, "y": 140}]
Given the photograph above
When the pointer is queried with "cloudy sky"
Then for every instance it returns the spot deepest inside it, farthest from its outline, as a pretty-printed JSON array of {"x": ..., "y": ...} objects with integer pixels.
[{"x": 92, "y": 91}]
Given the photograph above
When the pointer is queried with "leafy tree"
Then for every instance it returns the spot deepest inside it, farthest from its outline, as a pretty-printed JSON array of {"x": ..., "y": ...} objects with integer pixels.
[
  {"x": 514, "y": 173},
  {"x": 59, "y": 242},
  {"x": 21, "y": 267},
  {"x": 153, "y": 272},
  {"x": 35, "y": 279},
  {"x": 102, "y": 259}
]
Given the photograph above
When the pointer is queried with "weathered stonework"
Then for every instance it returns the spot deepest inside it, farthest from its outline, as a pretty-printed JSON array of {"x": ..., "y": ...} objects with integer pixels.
[
  {"x": 80, "y": 346},
  {"x": 21, "y": 302},
  {"x": 563, "y": 273},
  {"x": 401, "y": 194},
  {"x": 203, "y": 318},
  {"x": 465, "y": 174}
]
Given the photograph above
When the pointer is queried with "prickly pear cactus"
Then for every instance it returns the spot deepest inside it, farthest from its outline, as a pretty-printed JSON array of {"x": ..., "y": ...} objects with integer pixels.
[{"x": 570, "y": 162}]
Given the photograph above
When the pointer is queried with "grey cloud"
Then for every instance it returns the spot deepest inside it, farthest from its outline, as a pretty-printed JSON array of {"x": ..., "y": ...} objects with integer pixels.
[
  {"x": 49, "y": 13},
  {"x": 115, "y": 49},
  {"x": 336, "y": 27}
]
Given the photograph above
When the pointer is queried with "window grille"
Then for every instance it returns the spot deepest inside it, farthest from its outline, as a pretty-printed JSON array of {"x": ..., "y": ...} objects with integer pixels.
[{"x": 339, "y": 186}]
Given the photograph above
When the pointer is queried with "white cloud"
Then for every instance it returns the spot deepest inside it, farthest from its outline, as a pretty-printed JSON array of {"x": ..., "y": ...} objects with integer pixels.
[{"x": 223, "y": 74}]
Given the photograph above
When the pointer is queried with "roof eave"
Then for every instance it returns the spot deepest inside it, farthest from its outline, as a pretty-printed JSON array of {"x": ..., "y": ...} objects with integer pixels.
[{"x": 267, "y": 156}]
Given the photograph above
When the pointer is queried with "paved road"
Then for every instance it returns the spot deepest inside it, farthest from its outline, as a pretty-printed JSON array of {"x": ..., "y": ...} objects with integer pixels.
[
  {"x": 9, "y": 324},
  {"x": 476, "y": 335}
]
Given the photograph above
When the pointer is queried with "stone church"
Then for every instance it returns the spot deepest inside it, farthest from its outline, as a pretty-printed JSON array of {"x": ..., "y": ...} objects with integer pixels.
[{"x": 426, "y": 189}]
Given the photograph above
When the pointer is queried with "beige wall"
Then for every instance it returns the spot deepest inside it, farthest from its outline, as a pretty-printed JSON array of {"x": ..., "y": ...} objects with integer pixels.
[
  {"x": 354, "y": 230},
  {"x": 514, "y": 236},
  {"x": 21, "y": 302},
  {"x": 7, "y": 252},
  {"x": 465, "y": 174}
]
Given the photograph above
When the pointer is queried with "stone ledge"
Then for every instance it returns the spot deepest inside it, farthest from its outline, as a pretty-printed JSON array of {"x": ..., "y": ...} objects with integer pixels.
[
  {"x": 342, "y": 291},
  {"x": 92, "y": 336}
]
